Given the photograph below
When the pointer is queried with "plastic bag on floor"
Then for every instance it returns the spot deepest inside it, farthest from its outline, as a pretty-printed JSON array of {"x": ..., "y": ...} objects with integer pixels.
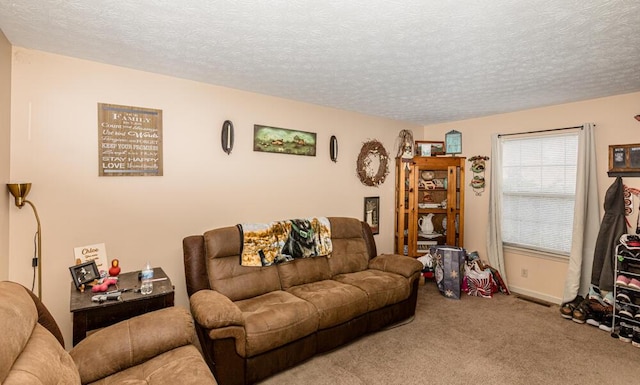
[{"x": 479, "y": 282}]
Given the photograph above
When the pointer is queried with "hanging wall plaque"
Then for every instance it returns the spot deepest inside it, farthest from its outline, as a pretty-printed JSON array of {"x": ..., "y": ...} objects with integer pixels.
[
  {"x": 129, "y": 141},
  {"x": 624, "y": 160}
]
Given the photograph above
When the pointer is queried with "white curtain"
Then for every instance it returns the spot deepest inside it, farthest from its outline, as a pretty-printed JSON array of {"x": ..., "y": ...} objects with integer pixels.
[
  {"x": 586, "y": 218},
  {"x": 494, "y": 230}
]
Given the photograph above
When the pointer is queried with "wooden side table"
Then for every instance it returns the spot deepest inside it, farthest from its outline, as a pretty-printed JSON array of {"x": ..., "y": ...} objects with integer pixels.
[{"x": 89, "y": 315}]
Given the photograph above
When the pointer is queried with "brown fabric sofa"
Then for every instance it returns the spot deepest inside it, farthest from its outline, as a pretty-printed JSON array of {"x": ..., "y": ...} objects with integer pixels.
[
  {"x": 253, "y": 322},
  {"x": 154, "y": 348}
]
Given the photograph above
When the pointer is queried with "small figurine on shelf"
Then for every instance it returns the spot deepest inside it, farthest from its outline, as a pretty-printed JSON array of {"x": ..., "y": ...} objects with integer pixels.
[{"x": 114, "y": 270}]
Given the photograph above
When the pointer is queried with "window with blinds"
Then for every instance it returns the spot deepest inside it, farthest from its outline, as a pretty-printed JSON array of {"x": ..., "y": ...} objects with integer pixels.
[{"x": 538, "y": 191}]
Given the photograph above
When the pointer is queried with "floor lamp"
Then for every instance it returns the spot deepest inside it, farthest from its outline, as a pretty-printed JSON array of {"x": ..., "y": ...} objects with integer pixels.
[{"x": 19, "y": 192}]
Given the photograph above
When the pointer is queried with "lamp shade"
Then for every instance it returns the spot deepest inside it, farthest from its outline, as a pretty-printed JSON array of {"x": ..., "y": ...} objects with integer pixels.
[{"x": 19, "y": 192}]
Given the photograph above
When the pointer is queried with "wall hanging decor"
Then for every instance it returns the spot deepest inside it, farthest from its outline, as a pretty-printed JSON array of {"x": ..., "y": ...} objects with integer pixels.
[
  {"x": 453, "y": 142},
  {"x": 624, "y": 160},
  {"x": 129, "y": 141},
  {"x": 333, "y": 148},
  {"x": 372, "y": 153},
  {"x": 477, "y": 167},
  {"x": 405, "y": 145},
  {"x": 629, "y": 192},
  {"x": 227, "y": 136},
  {"x": 372, "y": 213},
  {"x": 283, "y": 141}
]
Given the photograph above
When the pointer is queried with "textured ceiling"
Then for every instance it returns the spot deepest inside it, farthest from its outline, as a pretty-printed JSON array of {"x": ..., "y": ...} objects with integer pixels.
[{"x": 414, "y": 60}]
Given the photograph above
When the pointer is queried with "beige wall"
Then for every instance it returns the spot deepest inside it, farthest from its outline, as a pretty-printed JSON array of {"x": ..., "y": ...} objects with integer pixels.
[
  {"x": 5, "y": 130},
  {"x": 54, "y": 146},
  {"x": 615, "y": 124}
]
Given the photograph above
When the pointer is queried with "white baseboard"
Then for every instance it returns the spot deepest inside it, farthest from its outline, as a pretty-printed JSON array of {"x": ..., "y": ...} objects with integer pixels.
[{"x": 535, "y": 294}]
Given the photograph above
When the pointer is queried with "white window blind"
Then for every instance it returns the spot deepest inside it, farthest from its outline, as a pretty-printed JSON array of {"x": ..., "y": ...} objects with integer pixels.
[{"x": 538, "y": 191}]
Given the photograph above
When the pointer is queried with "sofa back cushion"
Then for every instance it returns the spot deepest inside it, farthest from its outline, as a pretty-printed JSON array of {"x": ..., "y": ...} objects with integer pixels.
[
  {"x": 301, "y": 271},
  {"x": 18, "y": 317},
  {"x": 350, "y": 253},
  {"x": 227, "y": 276},
  {"x": 30, "y": 354},
  {"x": 43, "y": 361}
]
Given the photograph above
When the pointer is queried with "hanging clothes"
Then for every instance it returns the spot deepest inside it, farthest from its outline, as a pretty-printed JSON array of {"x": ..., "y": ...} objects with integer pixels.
[{"x": 612, "y": 227}]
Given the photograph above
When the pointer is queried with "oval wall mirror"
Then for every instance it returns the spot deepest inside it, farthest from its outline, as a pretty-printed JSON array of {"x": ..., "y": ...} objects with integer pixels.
[
  {"x": 227, "y": 136},
  {"x": 333, "y": 148}
]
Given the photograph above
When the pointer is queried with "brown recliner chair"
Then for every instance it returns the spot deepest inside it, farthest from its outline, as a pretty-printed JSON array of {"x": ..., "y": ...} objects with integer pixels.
[{"x": 154, "y": 348}]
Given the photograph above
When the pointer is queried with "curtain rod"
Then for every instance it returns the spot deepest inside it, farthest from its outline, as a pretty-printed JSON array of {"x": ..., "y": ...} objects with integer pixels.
[{"x": 535, "y": 132}]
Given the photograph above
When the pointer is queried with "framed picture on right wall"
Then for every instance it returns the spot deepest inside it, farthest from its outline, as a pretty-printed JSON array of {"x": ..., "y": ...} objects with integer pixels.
[{"x": 624, "y": 159}]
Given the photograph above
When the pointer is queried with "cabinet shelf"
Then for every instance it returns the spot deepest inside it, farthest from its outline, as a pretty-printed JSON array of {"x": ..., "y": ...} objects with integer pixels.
[{"x": 434, "y": 211}]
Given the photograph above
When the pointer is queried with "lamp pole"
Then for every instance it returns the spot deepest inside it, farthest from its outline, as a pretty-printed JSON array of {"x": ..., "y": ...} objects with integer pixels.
[
  {"x": 19, "y": 192},
  {"x": 39, "y": 248}
]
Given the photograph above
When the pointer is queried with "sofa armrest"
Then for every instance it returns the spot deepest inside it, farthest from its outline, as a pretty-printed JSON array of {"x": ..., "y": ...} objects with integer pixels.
[
  {"x": 213, "y": 310},
  {"x": 398, "y": 264},
  {"x": 131, "y": 342}
]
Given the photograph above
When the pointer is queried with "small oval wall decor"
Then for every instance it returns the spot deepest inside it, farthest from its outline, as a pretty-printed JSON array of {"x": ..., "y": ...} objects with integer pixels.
[
  {"x": 333, "y": 148},
  {"x": 227, "y": 136}
]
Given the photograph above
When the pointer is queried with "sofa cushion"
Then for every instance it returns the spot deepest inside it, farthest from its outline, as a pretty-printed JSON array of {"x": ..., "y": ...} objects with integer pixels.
[
  {"x": 227, "y": 276},
  {"x": 178, "y": 366},
  {"x": 172, "y": 328},
  {"x": 42, "y": 361},
  {"x": 399, "y": 264},
  {"x": 19, "y": 316},
  {"x": 336, "y": 302},
  {"x": 301, "y": 271},
  {"x": 212, "y": 310},
  {"x": 350, "y": 253},
  {"x": 275, "y": 319},
  {"x": 29, "y": 353},
  {"x": 382, "y": 288}
]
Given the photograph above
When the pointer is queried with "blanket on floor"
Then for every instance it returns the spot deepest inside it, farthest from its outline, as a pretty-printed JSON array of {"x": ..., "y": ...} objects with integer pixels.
[{"x": 265, "y": 244}]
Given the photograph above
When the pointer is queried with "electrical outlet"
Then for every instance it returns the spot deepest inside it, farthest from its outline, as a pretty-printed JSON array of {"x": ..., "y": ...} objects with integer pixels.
[{"x": 524, "y": 273}]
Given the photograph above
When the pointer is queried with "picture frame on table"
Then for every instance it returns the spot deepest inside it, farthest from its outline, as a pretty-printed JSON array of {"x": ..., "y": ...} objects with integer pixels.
[
  {"x": 84, "y": 273},
  {"x": 429, "y": 148}
]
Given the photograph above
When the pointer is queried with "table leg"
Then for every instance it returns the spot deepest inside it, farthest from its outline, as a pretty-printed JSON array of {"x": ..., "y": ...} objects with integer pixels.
[{"x": 79, "y": 327}]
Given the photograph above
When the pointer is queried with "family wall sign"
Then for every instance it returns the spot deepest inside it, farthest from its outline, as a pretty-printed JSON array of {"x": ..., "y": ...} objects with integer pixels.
[{"x": 129, "y": 141}]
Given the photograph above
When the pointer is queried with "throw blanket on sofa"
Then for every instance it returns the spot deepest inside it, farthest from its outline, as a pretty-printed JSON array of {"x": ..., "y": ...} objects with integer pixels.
[{"x": 264, "y": 244}]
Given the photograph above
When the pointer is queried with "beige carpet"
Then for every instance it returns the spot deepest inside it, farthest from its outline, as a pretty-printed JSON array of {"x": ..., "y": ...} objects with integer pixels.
[{"x": 503, "y": 340}]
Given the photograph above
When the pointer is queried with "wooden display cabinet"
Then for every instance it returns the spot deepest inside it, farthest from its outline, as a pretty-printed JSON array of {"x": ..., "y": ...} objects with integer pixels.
[{"x": 429, "y": 191}]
